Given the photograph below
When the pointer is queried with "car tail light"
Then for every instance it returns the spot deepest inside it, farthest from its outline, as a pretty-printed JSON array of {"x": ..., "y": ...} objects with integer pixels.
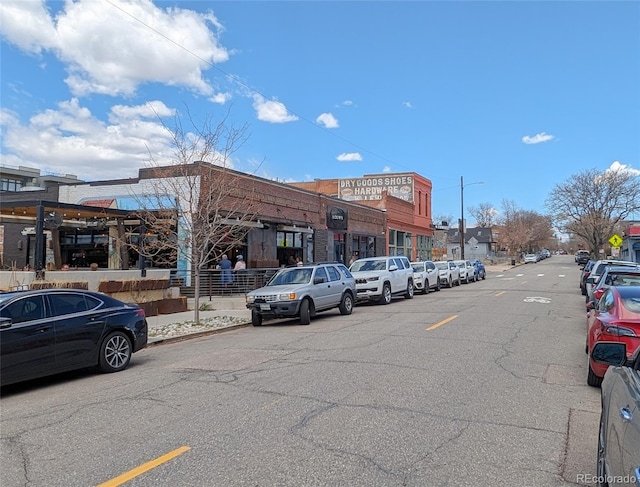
[
  {"x": 598, "y": 293},
  {"x": 619, "y": 331},
  {"x": 140, "y": 312}
]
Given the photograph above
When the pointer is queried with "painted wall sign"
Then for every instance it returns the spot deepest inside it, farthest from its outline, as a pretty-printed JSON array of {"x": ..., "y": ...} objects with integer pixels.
[{"x": 371, "y": 187}]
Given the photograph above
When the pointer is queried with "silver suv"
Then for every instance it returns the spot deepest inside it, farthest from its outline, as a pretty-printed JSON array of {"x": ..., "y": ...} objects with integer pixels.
[
  {"x": 303, "y": 291},
  {"x": 380, "y": 278}
]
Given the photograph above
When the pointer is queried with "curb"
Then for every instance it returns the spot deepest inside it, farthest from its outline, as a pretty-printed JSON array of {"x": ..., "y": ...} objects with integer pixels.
[{"x": 198, "y": 334}]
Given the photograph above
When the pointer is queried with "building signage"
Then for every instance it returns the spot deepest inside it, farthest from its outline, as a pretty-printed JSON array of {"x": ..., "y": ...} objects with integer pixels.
[
  {"x": 336, "y": 218},
  {"x": 371, "y": 187}
]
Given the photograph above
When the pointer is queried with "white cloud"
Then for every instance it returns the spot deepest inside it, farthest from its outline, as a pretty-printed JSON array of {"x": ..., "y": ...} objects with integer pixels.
[
  {"x": 538, "y": 138},
  {"x": 271, "y": 110},
  {"x": 618, "y": 166},
  {"x": 386, "y": 169},
  {"x": 71, "y": 140},
  {"x": 349, "y": 156},
  {"x": 112, "y": 49},
  {"x": 328, "y": 120},
  {"x": 347, "y": 103},
  {"x": 407, "y": 104},
  {"x": 220, "y": 98}
]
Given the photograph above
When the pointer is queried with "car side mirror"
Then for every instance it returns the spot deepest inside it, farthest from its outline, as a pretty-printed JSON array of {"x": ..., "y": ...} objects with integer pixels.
[
  {"x": 610, "y": 353},
  {"x": 5, "y": 322},
  {"x": 393, "y": 267}
]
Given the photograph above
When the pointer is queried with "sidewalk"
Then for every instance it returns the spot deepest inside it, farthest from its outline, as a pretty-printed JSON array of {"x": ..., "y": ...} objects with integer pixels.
[{"x": 226, "y": 312}]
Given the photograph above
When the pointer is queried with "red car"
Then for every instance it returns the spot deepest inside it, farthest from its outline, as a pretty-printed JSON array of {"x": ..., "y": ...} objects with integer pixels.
[{"x": 616, "y": 318}]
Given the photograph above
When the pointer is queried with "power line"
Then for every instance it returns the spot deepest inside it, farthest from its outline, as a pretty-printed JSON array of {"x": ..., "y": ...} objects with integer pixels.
[{"x": 237, "y": 80}]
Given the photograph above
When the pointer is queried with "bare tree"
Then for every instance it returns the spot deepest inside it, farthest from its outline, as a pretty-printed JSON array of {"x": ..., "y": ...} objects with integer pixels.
[
  {"x": 197, "y": 208},
  {"x": 485, "y": 214},
  {"x": 523, "y": 230},
  {"x": 592, "y": 204}
]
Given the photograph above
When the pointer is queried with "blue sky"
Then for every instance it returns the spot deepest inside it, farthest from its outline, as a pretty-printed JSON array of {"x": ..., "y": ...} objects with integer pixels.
[{"x": 519, "y": 95}]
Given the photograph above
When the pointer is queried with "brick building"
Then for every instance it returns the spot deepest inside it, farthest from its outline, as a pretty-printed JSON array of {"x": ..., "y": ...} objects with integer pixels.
[{"x": 404, "y": 197}]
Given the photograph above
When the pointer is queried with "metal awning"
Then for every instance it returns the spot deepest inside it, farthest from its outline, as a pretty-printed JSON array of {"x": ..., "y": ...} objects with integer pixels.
[{"x": 26, "y": 211}]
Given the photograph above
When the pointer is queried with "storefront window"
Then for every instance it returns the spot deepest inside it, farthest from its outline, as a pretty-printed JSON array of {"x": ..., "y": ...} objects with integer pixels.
[{"x": 399, "y": 243}]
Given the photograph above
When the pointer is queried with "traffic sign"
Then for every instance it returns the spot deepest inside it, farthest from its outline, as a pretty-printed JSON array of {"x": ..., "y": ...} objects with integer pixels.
[{"x": 615, "y": 240}]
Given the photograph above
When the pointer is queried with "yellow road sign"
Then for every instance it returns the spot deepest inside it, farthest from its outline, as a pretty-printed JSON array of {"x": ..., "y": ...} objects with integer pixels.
[{"x": 615, "y": 240}]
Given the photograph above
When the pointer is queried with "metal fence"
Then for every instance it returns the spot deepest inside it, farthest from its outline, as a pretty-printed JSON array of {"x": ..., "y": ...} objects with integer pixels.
[{"x": 211, "y": 282}]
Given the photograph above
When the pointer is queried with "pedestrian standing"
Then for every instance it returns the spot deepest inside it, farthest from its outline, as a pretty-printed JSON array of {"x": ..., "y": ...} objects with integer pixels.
[
  {"x": 226, "y": 276},
  {"x": 240, "y": 264}
]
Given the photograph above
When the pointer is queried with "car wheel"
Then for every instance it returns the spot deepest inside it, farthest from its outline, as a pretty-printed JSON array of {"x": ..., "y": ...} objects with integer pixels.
[
  {"x": 438, "y": 287},
  {"x": 592, "y": 379},
  {"x": 601, "y": 471},
  {"x": 450, "y": 282},
  {"x": 425, "y": 288},
  {"x": 484, "y": 276},
  {"x": 386, "y": 294},
  {"x": 346, "y": 305},
  {"x": 305, "y": 312},
  {"x": 115, "y": 352},
  {"x": 459, "y": 282},
  {"x": 409, "y": 293},
  {"x": 256, "y": 318}
]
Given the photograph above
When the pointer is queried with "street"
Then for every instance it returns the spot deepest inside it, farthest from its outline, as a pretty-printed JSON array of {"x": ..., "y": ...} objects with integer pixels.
[{"x": 483, "y": 384}]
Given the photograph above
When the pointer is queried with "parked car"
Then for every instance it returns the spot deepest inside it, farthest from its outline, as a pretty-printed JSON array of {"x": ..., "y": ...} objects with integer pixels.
[
  {"x": 467, "y": 271},
  {"x": 598, "y": 270},
  {"x": 425, "y": 276},
  {"x": 582, "y": 257},
  {"x": 616, "y": 318},
  {"x": 378, "y": 279},
  {"x": 302, "y": 291},
  {"x": 615, "y": 276},
  {"x": 531, "y": 258},
  {"x": 619, "y": 433},
  {"x": 449, "y": 273},
  {"x": 481, "y": 272},
  {"x": 584, "y": 274},
  {"x": 48, "y": 331}
]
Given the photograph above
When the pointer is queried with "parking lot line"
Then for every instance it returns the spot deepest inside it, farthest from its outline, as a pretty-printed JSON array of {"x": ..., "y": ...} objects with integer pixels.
[
  {"x": 145, "y": 467},
  {"x": 501, "y": 293},
  {"x": 443, "y": 322}
]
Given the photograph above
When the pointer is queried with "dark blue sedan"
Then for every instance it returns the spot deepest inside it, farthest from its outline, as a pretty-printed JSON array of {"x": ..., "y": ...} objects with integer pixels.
[{"x": 48, "y": 331}]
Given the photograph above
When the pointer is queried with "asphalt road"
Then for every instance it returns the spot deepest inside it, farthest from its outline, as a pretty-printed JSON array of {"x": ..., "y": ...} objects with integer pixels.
[{"x": 480, "y": 385}]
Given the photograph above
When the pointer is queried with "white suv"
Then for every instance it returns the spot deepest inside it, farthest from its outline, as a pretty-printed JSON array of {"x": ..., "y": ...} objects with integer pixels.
[{"x": 380, "y": 278}]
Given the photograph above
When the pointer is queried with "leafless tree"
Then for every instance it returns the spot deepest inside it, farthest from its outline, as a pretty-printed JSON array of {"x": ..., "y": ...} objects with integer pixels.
[
  {"x": 485, "y": 214},
  {"x": 592, "y": 204},
  {"x": 197, "y": 208},
  {"x": 523, "y": 230}
]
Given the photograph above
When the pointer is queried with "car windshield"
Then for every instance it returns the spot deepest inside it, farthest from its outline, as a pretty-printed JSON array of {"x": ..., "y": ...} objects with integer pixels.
[
  {"x": 5, "y": 296},
  {"x": 291, "y": 276},
  {"x": 418, "y": 267},
  {"x": 442, "y": 266},
  {"x": 368, "y": 265}
]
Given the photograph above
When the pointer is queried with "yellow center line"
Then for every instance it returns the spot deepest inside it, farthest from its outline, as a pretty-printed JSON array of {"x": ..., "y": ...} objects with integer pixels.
[
  {"x": 443, "y": 322},
  {"x": 501, "y": 293},
  {"x": 524, "y": 282},
  {"x": 125, "y": 477}
]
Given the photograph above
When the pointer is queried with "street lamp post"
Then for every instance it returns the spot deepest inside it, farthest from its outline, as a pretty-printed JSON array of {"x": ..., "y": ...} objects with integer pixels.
[{"x": 461, "y": 226}]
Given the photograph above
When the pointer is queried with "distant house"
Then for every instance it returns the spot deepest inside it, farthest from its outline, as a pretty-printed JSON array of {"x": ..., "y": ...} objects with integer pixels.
[{"x": 479, "y": 243}]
